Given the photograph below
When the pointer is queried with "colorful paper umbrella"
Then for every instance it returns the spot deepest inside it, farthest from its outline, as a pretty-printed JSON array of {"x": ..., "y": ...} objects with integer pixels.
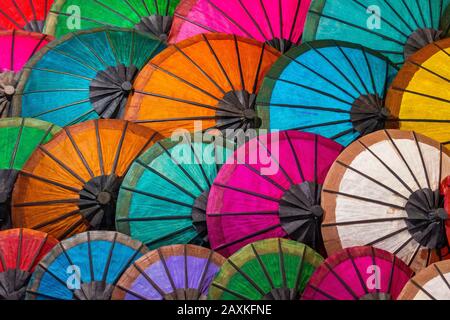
[
  {"x": 24, "y": 15},
  {"x": 19, "y": 137},
  {"x": 384, "y": 191},
  {"x": 209, "y": 78},
  {"x": 84, "y": 267},
  {"x": 20, "y": 252},
  {"x": 395, "y": 28},
  {"x": 420, "y": 94},
  {"x": 271, "y": 189},
  {"x": 17, "y": 48},
  {"x": 432, "y": 283},
  {"x": 335, "y": 89},
  {"x": 358, "y": 273},
  {"x": 178, "y": 272},
  {"x": 88, "y": 74},
  {"x": 271, "y": 269},
  {"x": 152, "y": 16},
  {"x": 279, "y": 23},
  {"x": 163, "y": 198},
  {"x": 70, "y": 184}
]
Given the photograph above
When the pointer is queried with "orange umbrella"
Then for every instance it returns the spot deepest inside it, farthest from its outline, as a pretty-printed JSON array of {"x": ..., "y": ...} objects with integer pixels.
[
  {"x": 70, "y": 184},
  {"x": 213, "y": 78}
]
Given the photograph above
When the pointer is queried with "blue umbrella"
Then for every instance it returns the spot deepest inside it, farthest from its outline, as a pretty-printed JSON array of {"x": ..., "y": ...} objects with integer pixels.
[
  {"x": 84, "y": 75},
  {"x": 335, "y": 89},
  {"x": 84, "y": 267}
]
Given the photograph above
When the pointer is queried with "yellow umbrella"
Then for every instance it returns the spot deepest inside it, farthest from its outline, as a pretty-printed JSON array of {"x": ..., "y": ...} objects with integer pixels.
[{"x": 419, "y": 97}]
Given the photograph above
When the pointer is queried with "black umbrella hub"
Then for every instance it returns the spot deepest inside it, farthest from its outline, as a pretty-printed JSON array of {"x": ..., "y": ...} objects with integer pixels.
[
  {"x": 282, "y": 45},
  {"x": 420, "y": 39},
  {"x": 8, "y": 84},
  {"x": 369, "y": 114},
  {"x": 157, "y": 25},
  {"x": 199, "y": 218},
  {"x": 13, "y": 284},
  {"x": 35, "y": 26},
  {"x": 7, "y": 179},
  {"x": 282, "y": 294}
]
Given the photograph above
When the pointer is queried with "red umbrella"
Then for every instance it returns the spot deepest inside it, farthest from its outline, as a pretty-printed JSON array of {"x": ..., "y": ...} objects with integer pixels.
[{"x": 27, "y": 15}]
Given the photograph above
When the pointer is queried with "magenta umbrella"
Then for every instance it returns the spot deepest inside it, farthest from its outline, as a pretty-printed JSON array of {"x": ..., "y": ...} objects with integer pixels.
[
  {"x": 278, "y": 22},
  {"x": 359, "y": 273},
  {"x": 271, "y": 188}
]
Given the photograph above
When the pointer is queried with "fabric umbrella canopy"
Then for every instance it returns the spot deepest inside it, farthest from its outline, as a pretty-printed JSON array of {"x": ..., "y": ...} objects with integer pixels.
[
  {"x": 17, "y": 48},
  {"x": 19, "y": 137},
  {"x": 271, "y": 189},
  {"x": 152, "y": 16},
  {"x": 432, "y": 283},
  {"x": 384, "y": 191},
  {"x": 84, "y": 75},
  {"x": 70, "y": 184},
  {"x": 335, "y": 89},
  {"x": 210, "y": 78},
  {"x": 178, "y": 272},
  {"x": 420, "y": 94},
  {"x": 358, "y": 273},
  {"x": 279, "y": 23},
  {"x": 395, "y": 28},
  {"x": 84, "y": 267},
  {"x": 20, "y": 252},
  {"x": 163, "y": 197},
  {"x": 271, "y": 269},
  {"x": 27, "y": 15}
]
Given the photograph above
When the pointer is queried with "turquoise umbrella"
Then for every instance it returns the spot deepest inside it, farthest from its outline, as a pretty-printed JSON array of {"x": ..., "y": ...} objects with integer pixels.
[
  {"x": 395, "y": 28},
  {"x": 163, "y": 199},
  {"x": 84, "y": 75}
]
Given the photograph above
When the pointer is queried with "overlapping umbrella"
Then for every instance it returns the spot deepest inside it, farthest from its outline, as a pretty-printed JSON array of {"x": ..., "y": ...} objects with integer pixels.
[
  {"x": 84, "y": 75},
  {"x": 70, "y": 184},
  {"x": 271, "y": 189},
  {"x": 420, "y": 94},
  {"x": 432, "y": 283},
  {"x": 394, "y": 28},
  {"x": 279, "y": 23},
  {"x": 152, "y": 16},
  {"x": 17, "y": 48},
  {"x": 335, "y": 89},
  {"x": 384, "y": 191},
  {"x": 19, "y": 137},
  {"x": 20, "y": 252},
  {"x": 27, "y": 15},
  {"x": 164, "y": 195},
  {"x": 178, "y": 272},
  {"x": 210, "y": 78},
  {"x": 84, "y": 267},
  {"x": 271, "y": 269},
  {"x": 358, "y": 273}
]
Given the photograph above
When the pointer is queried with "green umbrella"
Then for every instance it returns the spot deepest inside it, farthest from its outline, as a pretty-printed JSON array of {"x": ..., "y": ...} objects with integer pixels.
[
  {"x": 19, "y": 137},
  {"x": 152, "y": 16}
]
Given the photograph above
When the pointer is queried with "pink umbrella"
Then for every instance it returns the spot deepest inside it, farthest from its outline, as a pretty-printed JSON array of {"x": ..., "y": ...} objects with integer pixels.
[
  {"x": 278, "y": 22},
  {"x": 17, "y": 47},
  {"x": 271, "y": 188},
  {"x": 358, "y": 273}
]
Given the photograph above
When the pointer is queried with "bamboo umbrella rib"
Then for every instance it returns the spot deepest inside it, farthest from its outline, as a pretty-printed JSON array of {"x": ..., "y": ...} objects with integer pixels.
[
  {"x": 194, "y": 23},
  {"x": 343, "y": 133},
  {"x": 60, "y": 72},
  {"x": 114, "y": 11},
  {"x": 232, "y": 292},
  {"x": 119, "y": 148},
  {"x": 60, "y": 107},
  {"x": 16, "y": 143},
  {"x": 89, "y": 257},
  {"x": 91, "y": 50},
  {"x": 201, "y": 284},
  {"x": 423, "y": 289},
  {"x": 72, "y": 228},
  {"x": 37, "y": 253},
  {"x": 47, "y": 202},
  {"x": 358, "y": 274},
  {"x": 54, "y": 220},
  {"x": 265, "y": 177},
  {"x": 54, "y": 276},
  {"x": 131, "y": 292},
  {"x": 75, "y": 121},
  {"x": 66, "y": 255},
  {"x": 428, "y": 70},
  {"x": 247, "y": 277},
  {"x": 341, "y": 281},
  {"x": 382, "y": 203},
  {"x": 372, "y": 78},
  {"x": 258, "y": 69},
  {"x": 297, "y": 160},
  {"x": 2, "y": 260},
  {"x": 240, "y": 190},
  {"x": 300, "y": 269},
  {"x": 19, "y": 249},
  {"x": 13, "y": 40},
  {"x": 46, "y": 296},
  {"x": 282, "y": 264},
  {"x": 400, "y": 17},
  {"x": 411, "y": 260},
  {"x": 404, "y": 244},
  {"x": 130, "y": 261},
  {"x": 54, "y": 90},
  {"x": 329, "y": 296},
  {"x": 62, "y": 164},
  {"x": 267, "y": 18},
  {"x": 20, "y": 12},
  {"x": 421, "y": 94},
  {"x": 230, "y": 214},
  {"x": 263, "y": 266},
  {"x": 161, "y": 292},
  {"x": 422, "y": 160},
  {"x": 99, "y": 147},
  {"x": 238, "y": 56},
  {"x": 246, "y": 237},
  {"x": 411, "y": 14},
  {"x": 78, "y": 152},
  {"x": 253, "y": 20},
  {"x": 108, "y": 262},
  {"x": 283, "y": 171},
  {"x": 291, "y": 32},
  {"x": 166, "y": 269},
  {"x": 134, "y": 10},
  {"x": 155, "y": 196},
  {"x": 323, "y": 124},
  {"x": 441, "y": 49},
  {"x": 198, "y": 162},
  {"x": 180, "y": 119},
  {"x": 154, "y": 218},
  {"x": 366, "y": 221},
  {"x": 10, "y": 19},
  {"x": 81, "y": 17},
  {"x": 444, "y": 279},
  {"x": 297, "y": 106},
  {"x": 391, "y": 274},
  {"x": 113, "y": 48},
  {"x": 76, "y": 59},
  {"x": 170, "y": 235}
]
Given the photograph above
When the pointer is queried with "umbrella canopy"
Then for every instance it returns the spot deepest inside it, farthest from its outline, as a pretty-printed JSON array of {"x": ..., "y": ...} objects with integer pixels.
[
  {"x": 420, "y": 94},
  {"x": 152, "y": 16},
  {"x": 332, "y": 88},
  {"x": 20, "y": 252},
  {"x": 271, "y": 189},
  {"x": 17, "y": 48},
  {"x": 384, "y": 191},
  {"x": 163, "y": 198},
  {"x": 432, "y": 283},
  {"x": 19, "y": 137},
  {"x": 271, "y": 269},
  {"x": 84, "y": 267},
  {"x": 84, "y": 75},
  {"x": 210, "y": 78},
  {"x": 395, "y": 28},
  {"x": 279, "y": 23},
  {"x": 358, "y": 273},
  {"x": 70, "y": 184},
  {"x": 178, "y": 272},
  {"x": 24, "y": 15}
]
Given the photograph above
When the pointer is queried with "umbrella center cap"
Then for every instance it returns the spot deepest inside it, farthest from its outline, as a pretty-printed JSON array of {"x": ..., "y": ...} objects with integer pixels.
[
  {"x": 317, "y": 211},
  {"x": 368, "y": 114},
  {"x": 236, "y": 110},
  {"x": 9, "y": 90},
  {"x": 441, "y": 214},
  {"x": 419, "y": 39},
  {"x": 127, "y": 86},
  {"x": 104, "y": 197},
  {"x": 249, "y": 114}
]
